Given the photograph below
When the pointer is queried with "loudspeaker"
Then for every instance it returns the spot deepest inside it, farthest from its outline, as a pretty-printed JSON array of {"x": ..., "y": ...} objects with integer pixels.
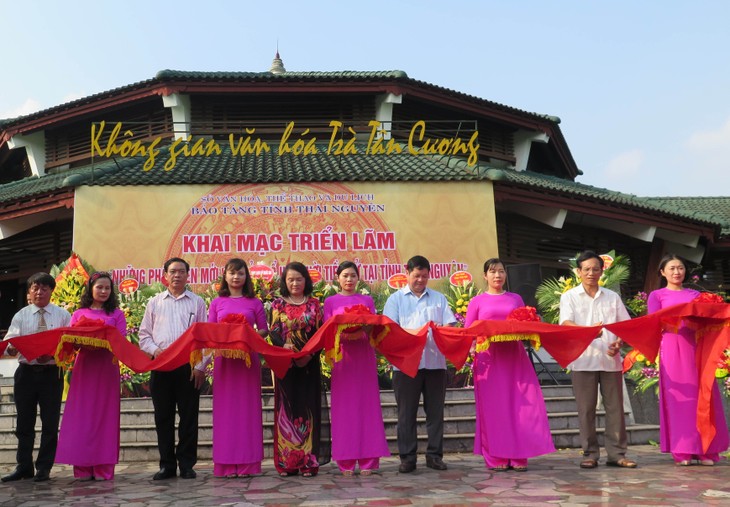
[{"x": 523, "y": 279}]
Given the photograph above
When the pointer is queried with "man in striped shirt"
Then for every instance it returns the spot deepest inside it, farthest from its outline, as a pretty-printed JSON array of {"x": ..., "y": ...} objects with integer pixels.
[
  {"x": 166, "y": 317},
  {"x": 37, "y": 383}
]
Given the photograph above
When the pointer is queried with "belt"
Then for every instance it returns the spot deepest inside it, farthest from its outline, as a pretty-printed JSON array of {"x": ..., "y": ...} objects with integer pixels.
[{"x": 39, "y": 367}]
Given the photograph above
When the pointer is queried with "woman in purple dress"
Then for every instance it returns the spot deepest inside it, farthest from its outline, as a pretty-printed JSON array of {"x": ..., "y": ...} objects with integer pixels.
[
  {"x": 511, "y": 420},
  {"x": 238, "y": 435},
  {"x": 89, "y": 435},
  {"x": 679, "y": 379},
  {"x": 358, "y": 433},
  {"x": 295, "y": 317}
]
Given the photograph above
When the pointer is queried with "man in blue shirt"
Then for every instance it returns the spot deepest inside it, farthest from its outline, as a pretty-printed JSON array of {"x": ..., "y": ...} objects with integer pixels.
[{"x": 412, "y": 307}]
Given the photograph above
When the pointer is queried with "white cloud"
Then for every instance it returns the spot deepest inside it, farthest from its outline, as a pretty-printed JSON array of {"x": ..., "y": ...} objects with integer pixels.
[
  {"x": 29, "y": 106},
  {"x": 624, "y": 165},
  {"x": 710, "y": 140}
]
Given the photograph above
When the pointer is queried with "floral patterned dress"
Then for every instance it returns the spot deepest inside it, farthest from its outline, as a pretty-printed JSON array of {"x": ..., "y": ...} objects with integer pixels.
[{"x": 298, "y": 396}]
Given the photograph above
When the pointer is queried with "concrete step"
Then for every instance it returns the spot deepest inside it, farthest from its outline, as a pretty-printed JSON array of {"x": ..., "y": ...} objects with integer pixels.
[
  {"x": 139, "y": 440},
  {"x": 144, "y": 429}
]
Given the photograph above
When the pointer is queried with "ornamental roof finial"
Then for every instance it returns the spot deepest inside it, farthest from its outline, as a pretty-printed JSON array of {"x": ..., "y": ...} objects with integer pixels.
[{"x": 277, "y": 66}]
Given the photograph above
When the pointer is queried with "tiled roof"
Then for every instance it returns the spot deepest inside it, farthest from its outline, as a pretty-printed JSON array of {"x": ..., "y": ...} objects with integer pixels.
[
  {"x": 717, "y": 207},
  {"x": 34, "y": 186},
  {"x": 346, "y": 75},
  {"x": 265, "y": 168},
  {"x": 343, "y": 75},
  {"x": 272, "y": 168},
  {"x": 559, "y": 185},
  {"x": 165, "y": 76}
]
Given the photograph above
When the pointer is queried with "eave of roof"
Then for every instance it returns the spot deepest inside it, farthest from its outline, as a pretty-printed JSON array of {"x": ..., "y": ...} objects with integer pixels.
[
  {"x": 227, "y": 169},
  {"x": 271, "y": 168},
  {"x": 595, "y": 198},
  {"x": 171, "y": 81},
  {"x": 716, "y": 207}
]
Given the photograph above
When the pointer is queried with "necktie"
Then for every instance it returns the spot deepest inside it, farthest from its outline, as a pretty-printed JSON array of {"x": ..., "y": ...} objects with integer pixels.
[{"x": 42, "y": 326}]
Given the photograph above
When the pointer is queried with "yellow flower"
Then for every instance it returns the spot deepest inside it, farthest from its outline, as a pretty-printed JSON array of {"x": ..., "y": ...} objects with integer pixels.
[
  {"x": 459, "y": 302},
  {"x": 640, "y": 357},
  {"x": 721, "y": 373},
  {"x": 648, "y": 363}
]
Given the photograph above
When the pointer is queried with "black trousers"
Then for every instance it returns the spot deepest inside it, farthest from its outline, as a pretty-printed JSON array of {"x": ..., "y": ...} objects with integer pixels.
[
  {"x": 432, "y": 384},
  {"x": 171, "y": 389},
  {"x": 37, "y": 386}
]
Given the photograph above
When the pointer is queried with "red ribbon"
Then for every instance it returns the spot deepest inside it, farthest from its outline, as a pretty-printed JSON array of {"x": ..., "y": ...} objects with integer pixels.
[
  {"x": 564, "y": 343},
  {"x": 711, "y": 323}
]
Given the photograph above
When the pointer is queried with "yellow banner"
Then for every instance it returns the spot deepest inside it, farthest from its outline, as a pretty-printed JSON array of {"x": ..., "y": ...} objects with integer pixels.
[{"x": 131, "y": 231}]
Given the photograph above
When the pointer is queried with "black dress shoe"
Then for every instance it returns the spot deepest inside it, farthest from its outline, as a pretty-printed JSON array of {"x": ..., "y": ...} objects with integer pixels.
[
  {"x": 17, "y": 475},
  {"x": 406, "y": 467},
  {"x": 42, "y": 475},
  {"x": 188, "y": 473},
  {"x": 164, "y": 473},
  {"x": 435, "y": 463}
]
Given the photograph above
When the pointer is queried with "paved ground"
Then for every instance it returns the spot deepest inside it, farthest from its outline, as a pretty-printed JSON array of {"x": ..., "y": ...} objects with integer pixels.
[{"x": 552, "y": 480}]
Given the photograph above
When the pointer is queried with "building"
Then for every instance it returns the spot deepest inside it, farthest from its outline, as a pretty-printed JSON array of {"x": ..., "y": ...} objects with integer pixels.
[{"x": 318, "y": 166}]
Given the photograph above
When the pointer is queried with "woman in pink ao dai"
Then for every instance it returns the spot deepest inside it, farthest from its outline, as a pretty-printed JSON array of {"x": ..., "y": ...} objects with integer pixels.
[
  {"x": 238, "y": 438},
  {"x": 511, "y": 420},
  {"x": 358, "y": 434}
]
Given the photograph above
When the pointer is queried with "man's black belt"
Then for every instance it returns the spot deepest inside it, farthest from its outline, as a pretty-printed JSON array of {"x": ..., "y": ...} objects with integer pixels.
[{"x": 39, "y": 367}]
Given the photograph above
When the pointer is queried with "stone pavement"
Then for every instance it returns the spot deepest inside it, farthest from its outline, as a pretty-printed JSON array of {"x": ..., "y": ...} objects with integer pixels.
[{"x": 554, "y": 480}]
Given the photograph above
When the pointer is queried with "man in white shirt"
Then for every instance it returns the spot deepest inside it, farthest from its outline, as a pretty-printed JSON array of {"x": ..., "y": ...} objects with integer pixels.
[
  {"x": 37, "y": 383},
  {"x": 411, "y": 307},
  {"x": 166, "y": 318},
  {"x": 589, "y": 304}
]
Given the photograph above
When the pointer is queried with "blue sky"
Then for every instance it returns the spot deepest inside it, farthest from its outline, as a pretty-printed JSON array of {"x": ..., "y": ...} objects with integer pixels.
[{"x": 642, "y": 88}]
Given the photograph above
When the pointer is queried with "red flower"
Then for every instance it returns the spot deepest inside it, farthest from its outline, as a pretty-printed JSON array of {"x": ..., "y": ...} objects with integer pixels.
[
  {"x": 524, "y": 314},
  {"x": 709, "y": 297},
  {"x": 234, "y": 318},
  {"x": 86, "y": 321},
  {"x": 358, "y": 310}
]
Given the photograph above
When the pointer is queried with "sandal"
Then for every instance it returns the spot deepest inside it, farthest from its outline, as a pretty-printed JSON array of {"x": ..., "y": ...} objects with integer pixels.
[
  {"x": 589, "y": 463},
  {"x": 500, "y": 468},
  {"x": 707, "y": 463},
  {"x": 520, "y": 469},
  {"x": 308, "y": 474},
  {"x": 345, "y": 473},
  {"x": 366, "y": 473},
  {"x": 683, "y": 463},
  {"x": 622, "y": 463}
]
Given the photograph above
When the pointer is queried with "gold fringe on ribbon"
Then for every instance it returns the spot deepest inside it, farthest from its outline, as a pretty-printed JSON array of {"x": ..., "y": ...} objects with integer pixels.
[
  {"x": 65, "y": 360},
  {"x": 671, "y": 328},
  {"x": 699, "y": 333},
  {"x": 196, "y": 356},
  {"x": 534, "y": 340},
  {"x": 375, "y": 340},
  {"x": 699, "y": 329},
  {"x": 334, "y": 354},
  {"x": 482, "y": 343}
]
